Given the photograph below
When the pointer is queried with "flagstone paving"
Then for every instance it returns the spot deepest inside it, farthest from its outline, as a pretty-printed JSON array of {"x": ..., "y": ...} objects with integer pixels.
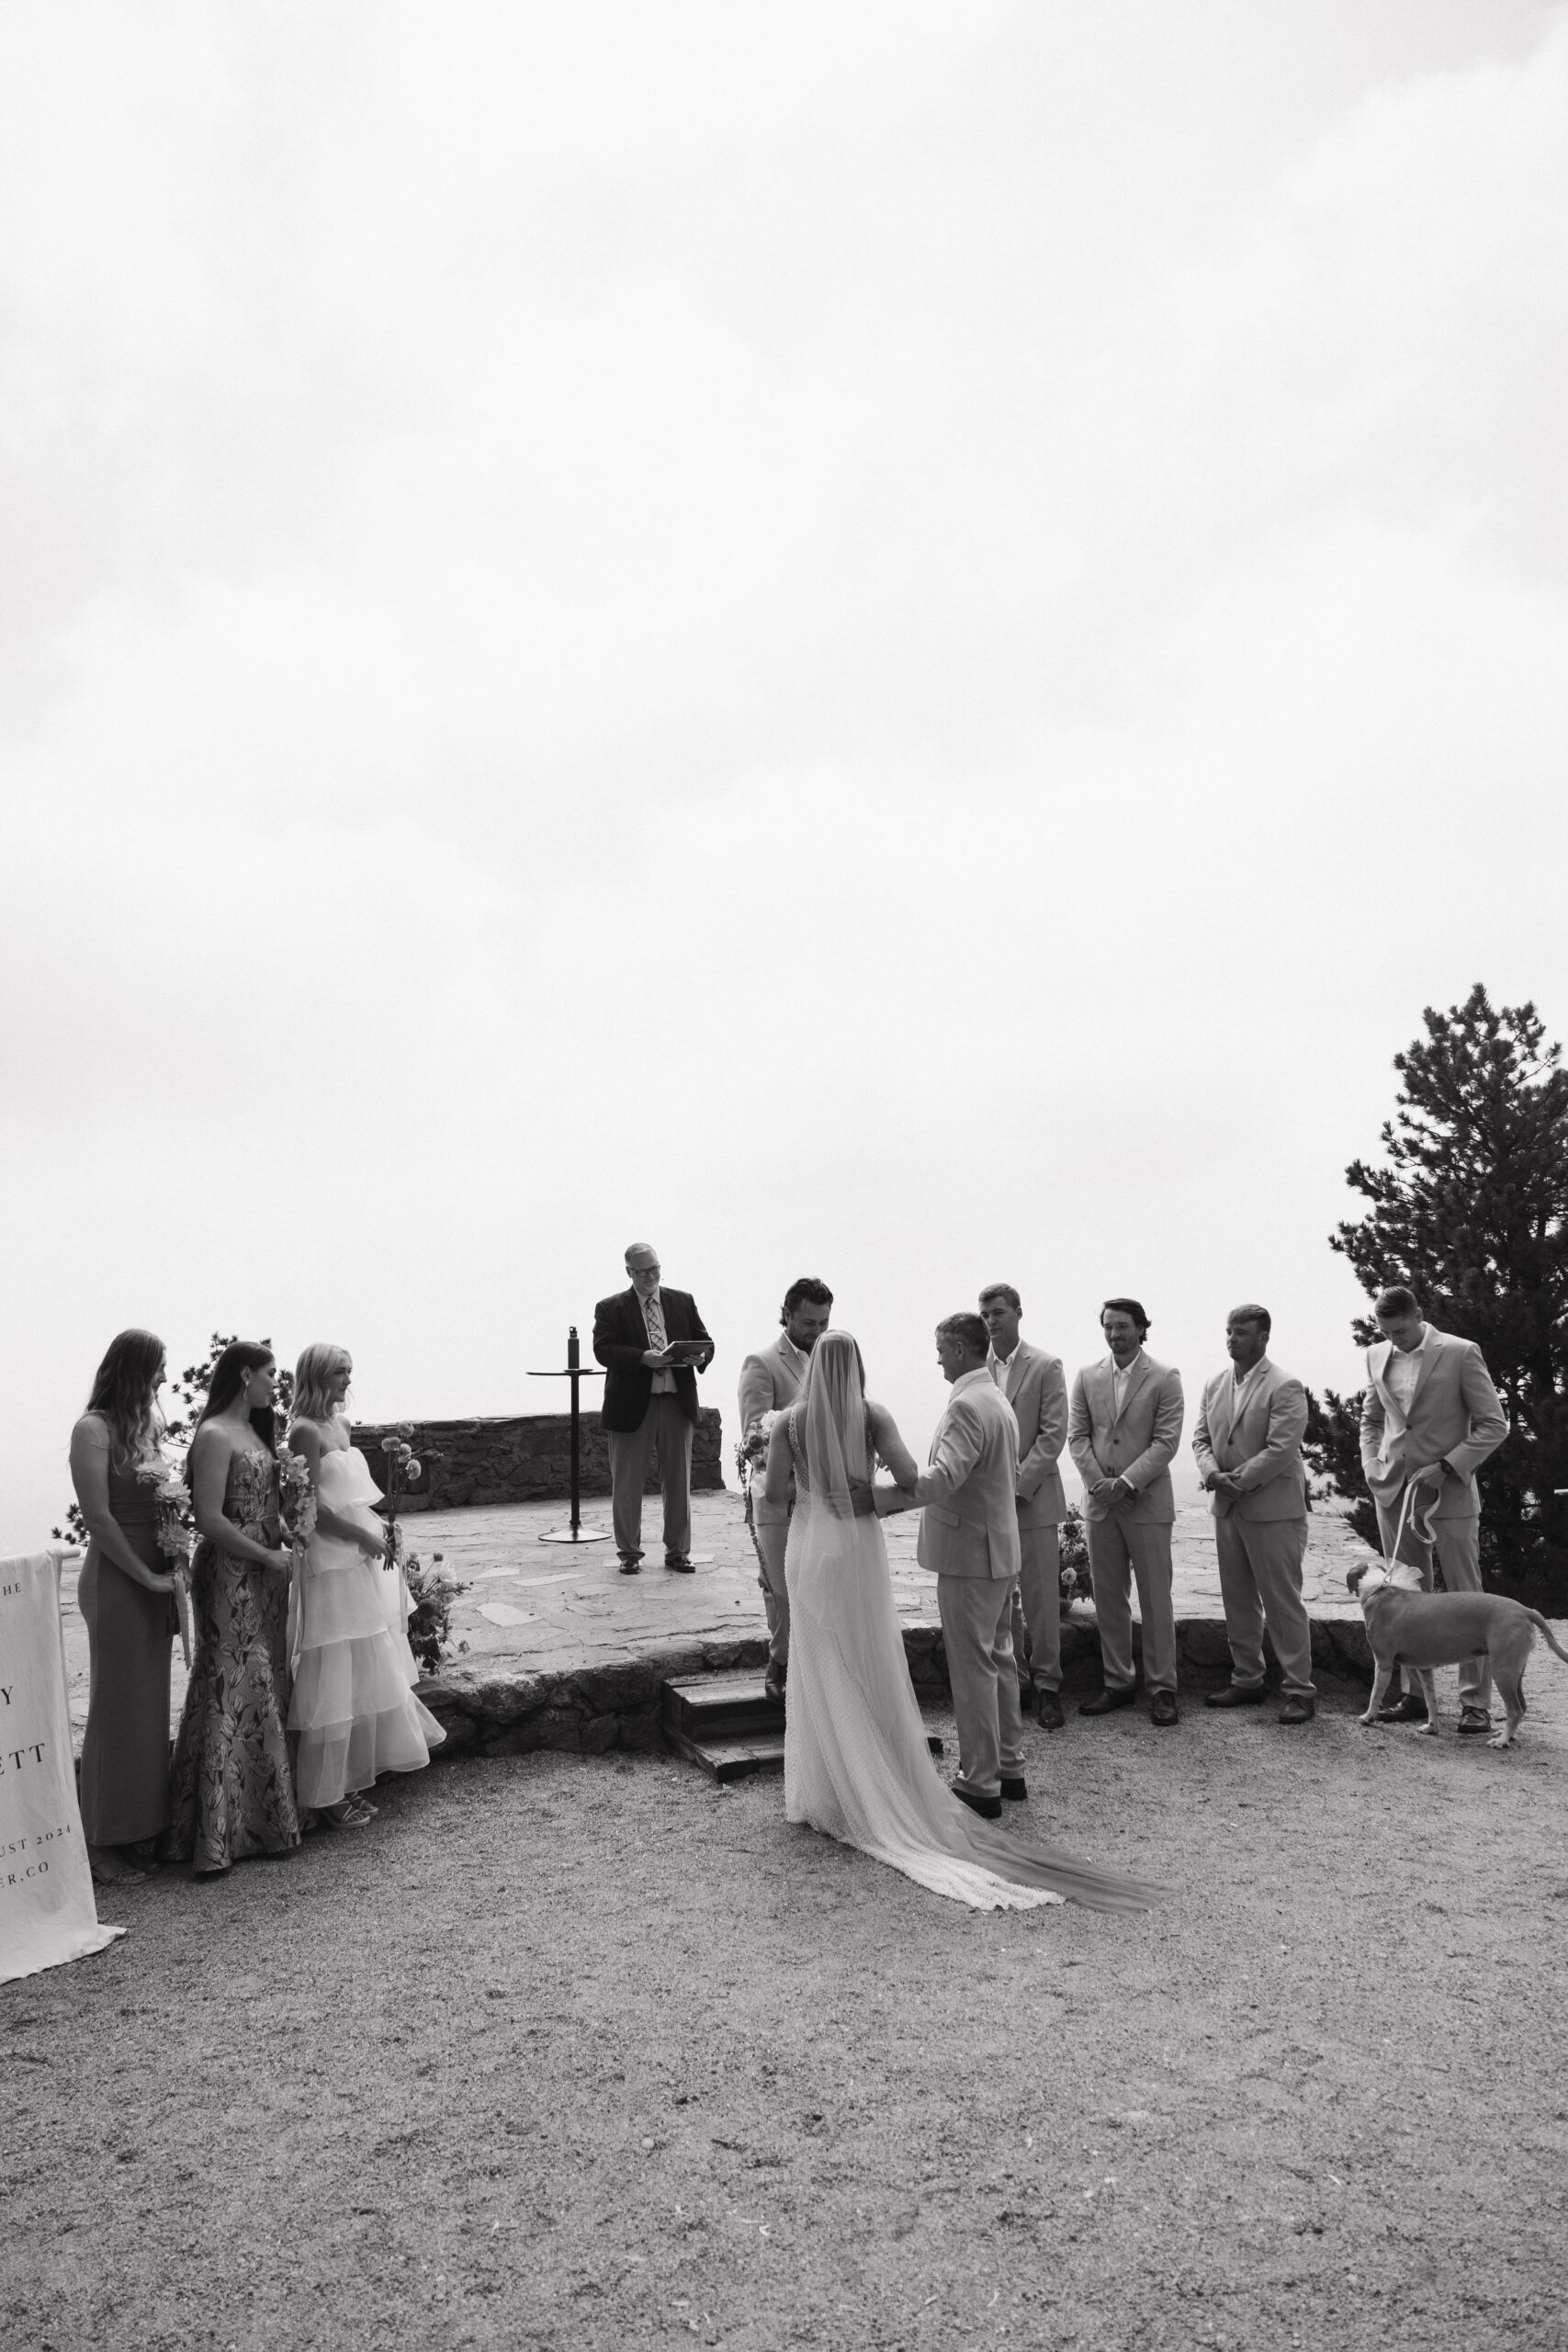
[{"x": 533, "y": 1607}]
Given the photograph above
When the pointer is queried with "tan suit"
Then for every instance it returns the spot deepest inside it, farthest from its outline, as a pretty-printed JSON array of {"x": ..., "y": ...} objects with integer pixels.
[
  {"x": 1455, "y": 1416},
  {"x": 1130, "y": 1537},
  {"x": 769, "y": 1380},
  {"x": 1259, "y": 1534},
  {"x": 969, "y": 1536},
  {"x": 1036, "y": 1388}
]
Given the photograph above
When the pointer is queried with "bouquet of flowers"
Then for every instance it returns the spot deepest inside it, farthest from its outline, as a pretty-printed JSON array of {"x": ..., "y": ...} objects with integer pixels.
[
  {"x": 296, "y": 1499},
  {"x": 751, "y": 1454},
  {"x": 431, "y": 1594},
  {"x": 176, "y": 1530}
]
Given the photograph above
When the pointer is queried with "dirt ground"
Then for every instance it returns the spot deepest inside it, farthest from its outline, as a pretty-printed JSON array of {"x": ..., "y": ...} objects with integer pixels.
[{"x": 573, "y": 2052}]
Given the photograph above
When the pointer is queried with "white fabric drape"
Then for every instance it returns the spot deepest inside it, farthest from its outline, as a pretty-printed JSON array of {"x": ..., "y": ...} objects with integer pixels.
[{"x": 48, "y": 1913}]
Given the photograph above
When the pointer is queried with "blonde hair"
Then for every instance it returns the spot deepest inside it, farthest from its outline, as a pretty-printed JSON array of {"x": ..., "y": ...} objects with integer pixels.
[{"x": 318, "y": 1367}]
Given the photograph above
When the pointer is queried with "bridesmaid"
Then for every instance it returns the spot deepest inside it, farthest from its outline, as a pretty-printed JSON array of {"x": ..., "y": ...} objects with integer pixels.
[
  {"x": 232, "y": 1793},
  {"x": 353, "y": 1711},
  {"x": 125, "y": 1596}
]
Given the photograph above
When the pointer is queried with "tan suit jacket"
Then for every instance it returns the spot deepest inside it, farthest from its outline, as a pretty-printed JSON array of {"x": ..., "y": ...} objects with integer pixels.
[
  {"x": 969, "y": 1515},
  {"x": 1037, "y": 1392},
  {"x": 1456, "y": 1414},
  {"x": 769, "y": 1381},
  {"x": 1261, "y": 1448},
  {"x": 1138, "y": 1443}
]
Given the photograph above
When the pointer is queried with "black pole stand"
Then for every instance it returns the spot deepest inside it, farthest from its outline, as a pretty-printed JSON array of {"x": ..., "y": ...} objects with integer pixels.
[{"x": 576, "y": 1371}]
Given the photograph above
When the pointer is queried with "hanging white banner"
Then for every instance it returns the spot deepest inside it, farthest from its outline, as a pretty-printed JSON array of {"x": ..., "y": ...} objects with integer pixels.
[{"x": 47, "y": 1910}]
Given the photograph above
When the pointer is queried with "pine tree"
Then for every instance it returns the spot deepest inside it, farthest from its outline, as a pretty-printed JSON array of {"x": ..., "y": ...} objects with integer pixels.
[{"x": 1471, "y": 1210}]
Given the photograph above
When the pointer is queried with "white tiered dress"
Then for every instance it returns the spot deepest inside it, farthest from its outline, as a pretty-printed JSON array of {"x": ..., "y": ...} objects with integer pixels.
[{"x": 352, "y": 1708}]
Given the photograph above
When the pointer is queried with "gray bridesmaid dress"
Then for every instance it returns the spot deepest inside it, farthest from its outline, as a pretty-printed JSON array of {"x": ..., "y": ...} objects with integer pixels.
[{"x": 125, "y": 1755}]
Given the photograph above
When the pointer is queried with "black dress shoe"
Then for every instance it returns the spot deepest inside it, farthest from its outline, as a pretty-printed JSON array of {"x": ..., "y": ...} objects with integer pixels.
[
  {"x": 1474, "y": 1720},
  {"x": 1236, "y": 1695},
  {"x": 1406, "y": 1709},
  {"x": 1106, "y": 1701},
  {"x": 988, "y": 1808},
  {"x": 678, "y": 1561},
  {"x": 630, "y": 1562},
  {"x": 1298, "y": 1710},
  {"x": 1014, "y": 1790},
  {"x": 1163, "y": 1709},
  {"x": 1048, "y": 1710}
]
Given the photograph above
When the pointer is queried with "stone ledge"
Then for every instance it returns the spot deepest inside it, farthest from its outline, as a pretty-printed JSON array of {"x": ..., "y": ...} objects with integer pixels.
[
  {"x": 521, "y": 1458},
  {"x": 594, "y": 1708}
]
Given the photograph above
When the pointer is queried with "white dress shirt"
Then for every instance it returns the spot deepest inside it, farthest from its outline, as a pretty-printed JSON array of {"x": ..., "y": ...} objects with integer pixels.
[
  {"x": 1402, "y": 1370},
  {"x": 1120, "y": 1378},
  {"x": 1240, "y": 1384}
]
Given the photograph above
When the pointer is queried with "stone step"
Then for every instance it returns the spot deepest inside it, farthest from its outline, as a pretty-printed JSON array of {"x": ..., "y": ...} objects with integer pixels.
[
  {"x": 727, "y": 1724},
  {"x": 716, "y": 1706}
]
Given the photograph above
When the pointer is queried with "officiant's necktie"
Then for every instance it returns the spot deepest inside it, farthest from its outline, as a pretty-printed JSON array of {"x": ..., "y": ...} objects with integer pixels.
[{"x": 653, "y": 1316}]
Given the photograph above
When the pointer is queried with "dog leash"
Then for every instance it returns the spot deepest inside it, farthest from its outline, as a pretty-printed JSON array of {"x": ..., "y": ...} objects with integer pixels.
[{"x": 1409, "y": 1515}]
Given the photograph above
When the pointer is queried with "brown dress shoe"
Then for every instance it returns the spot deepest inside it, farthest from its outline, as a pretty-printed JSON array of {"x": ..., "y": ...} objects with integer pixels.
[
  {"x": 1106, "y": 1701},
  {"x": 1236, "y": 1695},
  {"x": 1298, "y": 1710},
  {"x": 1408, "y": 1708},
  {"x": 1014, "y": 1788},
  {"x": 1048, "y": 1710},
  {"x": 1163, "y": 1709},
  {"x": 1474, "y": 1720}
]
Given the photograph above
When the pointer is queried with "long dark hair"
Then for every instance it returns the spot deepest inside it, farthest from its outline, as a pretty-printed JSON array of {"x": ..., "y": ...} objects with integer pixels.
[
  {"x": 230, "y": 1373},
  {"x": 123, "y": 1391}
]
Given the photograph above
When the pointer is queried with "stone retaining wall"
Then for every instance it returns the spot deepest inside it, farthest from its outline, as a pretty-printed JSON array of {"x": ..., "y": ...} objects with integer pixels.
[
  {"x": 619, "y": 1706},
  {"x": 520, "y": 1458}
]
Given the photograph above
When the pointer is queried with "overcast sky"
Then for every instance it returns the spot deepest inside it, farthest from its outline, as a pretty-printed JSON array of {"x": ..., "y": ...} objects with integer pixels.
[{"x": 890, "y": 641}]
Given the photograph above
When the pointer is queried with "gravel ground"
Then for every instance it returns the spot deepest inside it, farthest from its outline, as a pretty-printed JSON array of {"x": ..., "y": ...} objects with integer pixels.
[{"x": 576, "y": 2052}]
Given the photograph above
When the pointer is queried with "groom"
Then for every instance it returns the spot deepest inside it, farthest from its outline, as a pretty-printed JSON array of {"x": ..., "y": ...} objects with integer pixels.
[{"x": 969, "y": 1535}]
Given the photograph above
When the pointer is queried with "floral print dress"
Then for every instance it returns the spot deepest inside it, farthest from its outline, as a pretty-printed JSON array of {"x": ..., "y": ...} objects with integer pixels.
[{"x": 230, "y": 1789}]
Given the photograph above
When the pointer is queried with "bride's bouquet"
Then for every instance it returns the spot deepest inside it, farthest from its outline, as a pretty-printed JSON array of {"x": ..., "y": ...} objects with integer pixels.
[
  {"x": 296, "y": 1499},
  {"x": 752, "y": 1456}
]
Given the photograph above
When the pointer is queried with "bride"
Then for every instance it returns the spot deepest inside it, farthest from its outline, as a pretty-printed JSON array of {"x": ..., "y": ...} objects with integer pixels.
[{"x": 856, "y": 1762}]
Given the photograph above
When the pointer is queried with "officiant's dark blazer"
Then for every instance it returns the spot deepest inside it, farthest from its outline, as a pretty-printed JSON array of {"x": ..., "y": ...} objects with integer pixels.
[{"x": 620, "y": 1339}]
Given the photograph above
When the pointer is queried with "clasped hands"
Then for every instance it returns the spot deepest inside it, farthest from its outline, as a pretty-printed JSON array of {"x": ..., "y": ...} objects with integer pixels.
[{"x": 1112, "y": 1490}]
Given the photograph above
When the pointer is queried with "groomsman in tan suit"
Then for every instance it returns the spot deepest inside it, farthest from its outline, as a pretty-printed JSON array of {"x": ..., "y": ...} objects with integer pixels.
[
  {"x": 769, "y": 1381},
  {"x": 1034, "y": 1387},
  {"x": 1123, "y": 1427},
  {"x": 1248, "y": 1445},
  {"x": 969, "y": 1536},
  {"x": 1430, "y": 1416}
]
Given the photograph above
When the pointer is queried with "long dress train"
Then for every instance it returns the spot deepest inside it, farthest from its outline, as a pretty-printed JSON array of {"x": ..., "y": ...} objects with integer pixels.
[
  {"x": 352, "y": 1708},
  {"x": 856, "y": 1762}
]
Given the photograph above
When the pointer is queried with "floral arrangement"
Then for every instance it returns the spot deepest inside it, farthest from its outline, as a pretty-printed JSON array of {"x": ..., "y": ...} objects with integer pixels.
[
  {"x": 295, "y": 1498},
  {"x": 431, "y": 1593},
  {"x": 1073, "y": 1555},
  {"x": 403, "y": 1466},
  {"x": 176, "y": 1528},
  {"x": 751, "y": 1454}
]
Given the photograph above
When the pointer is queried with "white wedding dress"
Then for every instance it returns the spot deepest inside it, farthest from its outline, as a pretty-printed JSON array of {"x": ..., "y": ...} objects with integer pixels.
[
  {"x": 856, "y": 1761},
  {"x": 352, "y": 1708}
]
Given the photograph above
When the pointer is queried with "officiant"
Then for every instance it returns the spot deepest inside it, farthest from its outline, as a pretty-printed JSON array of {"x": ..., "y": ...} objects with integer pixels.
[{"x": 652, "y": 1344}]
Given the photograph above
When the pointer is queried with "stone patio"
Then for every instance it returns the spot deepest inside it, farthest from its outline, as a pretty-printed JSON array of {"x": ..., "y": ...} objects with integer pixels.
[{"x": 555, "y": 1647}]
